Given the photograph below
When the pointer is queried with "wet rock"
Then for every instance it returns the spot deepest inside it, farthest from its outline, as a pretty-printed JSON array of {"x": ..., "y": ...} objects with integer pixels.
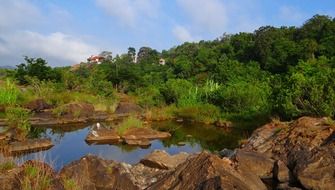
[
  {"x": 103, "y": 135},
  {"x": 162, "y": 160},
  {"x": 181, "y": 143},
  {"x": 127, "y": 107},
  {"x": 96, "y": 173},
  {"x": 29, "y": 145},
  {"x": 256, "y": 163},
  {"x": 144, "y": 143},
  {"x": 207, "y": 171},
  {"x": 144, "y": 133},
  {"x": 281, "y": 172},
  {"x": 38, "y": 105}
]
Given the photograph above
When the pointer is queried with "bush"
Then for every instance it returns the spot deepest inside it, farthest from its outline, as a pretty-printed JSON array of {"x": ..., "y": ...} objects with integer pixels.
[
  {"x": 128, "y": 123},
  {"x": 160, "y": 114},
  {"x": 205, "y": 113},
  {"x": 149, "y": 97},
  {"x": 36, "y": 177},
  {"x": 18, "y": 117},
  {"x": 9, "y": 93}
]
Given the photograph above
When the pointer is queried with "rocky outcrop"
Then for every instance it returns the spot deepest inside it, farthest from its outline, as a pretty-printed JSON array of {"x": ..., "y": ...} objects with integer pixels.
[
  {"x": 306, "y": 146},
  {"x": 162, "y": 160},
  {"x": 95, "y": 173},
  {"x": 76, "y": 110},
  {"x": 208, "y": 171}
]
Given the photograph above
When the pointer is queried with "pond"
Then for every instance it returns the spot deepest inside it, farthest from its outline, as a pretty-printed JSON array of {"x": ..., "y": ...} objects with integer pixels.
[{"x": 69, "y": 142}]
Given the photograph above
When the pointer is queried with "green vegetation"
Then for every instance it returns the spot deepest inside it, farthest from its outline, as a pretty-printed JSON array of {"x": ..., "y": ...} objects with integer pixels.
[
  {"x": 284, "y": 72},
  {"x": 71, "y": 184},
  {"x": 128, "y": 123},
  {"x": 6, "y": 165},
  {"x": 36, "y": 178},
  {"x": 18, "y": 118}
]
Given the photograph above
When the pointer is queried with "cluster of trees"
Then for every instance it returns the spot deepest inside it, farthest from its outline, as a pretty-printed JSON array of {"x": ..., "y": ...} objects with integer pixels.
[{"x": 286, "y": 71}]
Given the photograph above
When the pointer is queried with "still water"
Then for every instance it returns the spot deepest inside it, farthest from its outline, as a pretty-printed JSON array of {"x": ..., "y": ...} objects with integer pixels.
[{"x": 69, "y": 142}]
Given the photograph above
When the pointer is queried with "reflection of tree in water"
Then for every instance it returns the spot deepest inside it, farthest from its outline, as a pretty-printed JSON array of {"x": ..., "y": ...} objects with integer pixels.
[
  {"x": 127, "y": 148},
  {"x": 37, "y": 132}
]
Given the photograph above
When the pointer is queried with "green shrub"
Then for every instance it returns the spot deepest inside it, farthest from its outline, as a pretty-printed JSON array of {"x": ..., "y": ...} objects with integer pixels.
[
  {"x": 160, "y": 113},
  {"x": 7, "y": 165},
  {"x": 149, "y": 97},
  {"x": 205, "y": 113},
  {"x": 9, "y": 93},
  {"x": 128, "y": 123},
  {"x": 19, "y": 118}
]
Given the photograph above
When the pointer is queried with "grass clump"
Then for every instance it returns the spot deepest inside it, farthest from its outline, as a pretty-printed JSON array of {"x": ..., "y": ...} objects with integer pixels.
[
  {"x": 36, "y": 178},
  {"x": 18, "y": 118},
  {"x": 128, "y": 123},
  {"x": 8, "y": 93},
  {"x": 160, "y": 114},
  {"x": 204, "y": 113},
  {"x": 7, "y": 165},
  {"x": 71, "y": 184}
]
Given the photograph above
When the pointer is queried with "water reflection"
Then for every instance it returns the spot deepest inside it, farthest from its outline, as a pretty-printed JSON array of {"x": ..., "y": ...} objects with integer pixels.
[{"x": 70, "y": 145}]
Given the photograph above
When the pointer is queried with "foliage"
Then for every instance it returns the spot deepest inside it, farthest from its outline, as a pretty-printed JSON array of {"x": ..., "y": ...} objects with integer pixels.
[
  {"x": 8, "y": 93},
  {"x": 128, "y": 123},
  {"x": 19, "y": 118},
  {"x": 205, "y": 113},
  {"x": 6, "y": 165}
]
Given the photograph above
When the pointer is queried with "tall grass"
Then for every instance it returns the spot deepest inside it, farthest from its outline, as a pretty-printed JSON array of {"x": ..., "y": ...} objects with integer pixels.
[
  {"x": 8, "y": 93},
  {"x": 18, "y": 117},
  {"x": 128, "y": 123}
]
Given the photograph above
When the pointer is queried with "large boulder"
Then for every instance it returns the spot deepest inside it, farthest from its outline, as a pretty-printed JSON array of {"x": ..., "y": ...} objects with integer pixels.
[
  {"x": 162, "y": 160},
  {"x": 306, "y": 147},
  {"x": 208, "y": 171},
  {"x": 76, "y": 110},
  {"x": 96, "y": 173},
  {"x": 256, "y": 163}
]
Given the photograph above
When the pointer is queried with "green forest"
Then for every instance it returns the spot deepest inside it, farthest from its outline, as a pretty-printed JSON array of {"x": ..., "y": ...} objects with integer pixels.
[{"x": 284, "y": 73}]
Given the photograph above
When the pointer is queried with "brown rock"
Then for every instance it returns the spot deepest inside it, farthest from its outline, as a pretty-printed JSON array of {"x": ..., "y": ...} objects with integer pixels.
[
  {"x": 127, "y": 107},
  {"x": 162, "y": 160},
  {"x": 103, "y": 136},
  {"x": 95, "y": 173},
  {"x": 306, "y": 146},
  {"x": 207, "y": 171},
  {"x": 256, "y": 163},
  {"x": 30, "y": 145},
  {"x": 38, "y": 105},
  {"x": 281, "y": 172},
  {"x": 144, "y": 143},
  {"x": 77, "y": 110},
  {"x": 144, "y": 133}
]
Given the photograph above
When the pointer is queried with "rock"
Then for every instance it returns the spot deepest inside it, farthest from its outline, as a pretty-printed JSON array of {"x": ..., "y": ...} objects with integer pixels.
[
  {"x": 38, "y": 105},
  {"x": 96, "y": 173},
  {"x": 30, "y": 145},
  {"x": 256, "y": 163},
  {"x": 207, "y": 171},
  {"x": 227, "y": 153},
  {"x": 306, "y": 147},
  {"x": 281, "y": 172},
  {"x": 286, "y": 186},
  {"x": 224, "y": 124},
  {"x": 127, "y": 107},
  {"x": 77, "y": 110},
  {"x": 144, "y": 143},
  {"x": 103, "y": 136},
  {"x": 162, "y": 160},
  {"x": 144, "y": 133}
]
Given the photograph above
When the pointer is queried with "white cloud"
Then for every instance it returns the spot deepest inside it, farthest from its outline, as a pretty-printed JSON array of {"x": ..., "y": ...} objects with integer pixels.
[
  {"x": 54, "y": 46},
  {"x": 210, "y": 14},
  {"x": 130, "y": 12},
  {"x": 182, "y": 34},
  {"x": 291, "y": 15},
  {"x": 17, "y": 13}
]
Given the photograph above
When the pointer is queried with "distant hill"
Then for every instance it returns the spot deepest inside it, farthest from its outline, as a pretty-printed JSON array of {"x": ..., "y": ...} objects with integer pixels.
[{"x": 7, "y": 67}]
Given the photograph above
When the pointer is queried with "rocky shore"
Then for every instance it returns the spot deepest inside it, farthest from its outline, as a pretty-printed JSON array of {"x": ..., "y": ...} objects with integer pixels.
[{"x": 294, "y": 155}]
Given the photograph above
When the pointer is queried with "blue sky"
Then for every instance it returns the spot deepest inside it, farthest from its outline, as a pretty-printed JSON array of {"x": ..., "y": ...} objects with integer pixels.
[{"x": 66, "y": 32}]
